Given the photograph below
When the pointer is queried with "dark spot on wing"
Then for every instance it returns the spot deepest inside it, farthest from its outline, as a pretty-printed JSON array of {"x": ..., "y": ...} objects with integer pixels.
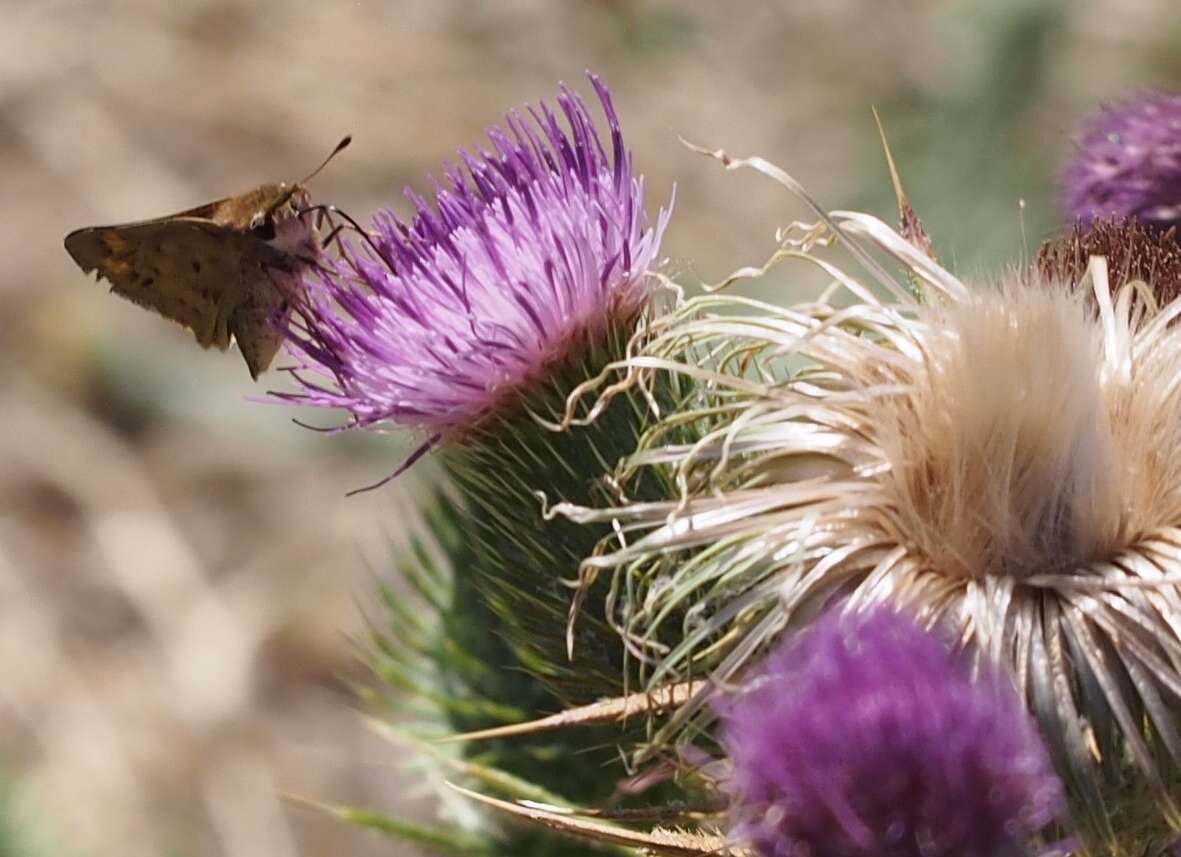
[{"x": 196, "y": 267}]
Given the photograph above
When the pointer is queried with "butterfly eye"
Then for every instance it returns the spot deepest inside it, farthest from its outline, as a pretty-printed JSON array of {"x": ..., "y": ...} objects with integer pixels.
[{"x": 262, "y": 226}]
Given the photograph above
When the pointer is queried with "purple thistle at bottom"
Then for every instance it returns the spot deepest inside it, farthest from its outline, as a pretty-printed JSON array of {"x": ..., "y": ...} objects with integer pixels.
[
  {"x": 530, "y": 243},
  {"x": 864, "y": 737},
  {"x": 1128, "y": 163}
]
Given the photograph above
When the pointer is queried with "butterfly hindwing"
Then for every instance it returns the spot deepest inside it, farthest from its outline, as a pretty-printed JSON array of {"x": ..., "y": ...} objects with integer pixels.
[{"x": 187, "y": 270}]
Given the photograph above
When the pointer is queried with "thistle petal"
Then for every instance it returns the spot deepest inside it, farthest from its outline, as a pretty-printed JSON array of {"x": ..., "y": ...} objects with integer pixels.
[{"x": 529, "y": 244}]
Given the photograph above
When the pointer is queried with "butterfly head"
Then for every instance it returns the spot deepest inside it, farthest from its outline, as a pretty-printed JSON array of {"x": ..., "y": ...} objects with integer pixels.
[{"x": 277, "y": 215}]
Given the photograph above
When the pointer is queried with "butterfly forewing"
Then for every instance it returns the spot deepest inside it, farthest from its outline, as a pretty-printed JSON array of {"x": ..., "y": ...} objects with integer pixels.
[
  {"x": 208, "y": 269},
  {"x": 184, "y": 270}
]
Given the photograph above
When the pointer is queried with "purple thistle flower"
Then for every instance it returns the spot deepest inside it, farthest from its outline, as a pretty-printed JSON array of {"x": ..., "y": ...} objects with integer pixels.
[
  {"x": 1128, "y": 163},
  {"x": 529, "y": 245},
  {"x": 865, "y": 737}
]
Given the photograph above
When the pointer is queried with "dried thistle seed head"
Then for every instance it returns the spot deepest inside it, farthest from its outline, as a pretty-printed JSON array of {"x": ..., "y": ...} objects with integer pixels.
[
  {"x": 1002, "y": 459},
  {"x": 1133, "y": 252},
  {"x": 1007, "y": 461}
]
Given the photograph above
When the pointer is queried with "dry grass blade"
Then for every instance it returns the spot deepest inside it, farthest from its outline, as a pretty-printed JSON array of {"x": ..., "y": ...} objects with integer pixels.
[
  {"x": 614, "y": 710},
  {"x": 772, "y": 171},
  {"x": 912, "y": 228},
  {"x": 675, "y": 843}
]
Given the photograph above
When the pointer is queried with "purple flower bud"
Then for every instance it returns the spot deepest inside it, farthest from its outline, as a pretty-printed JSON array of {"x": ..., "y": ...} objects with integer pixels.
[
  {"x": 1128, "y": 163},
  {"x": 529, "y": 245},
  {"x": 864, "y": 736}
]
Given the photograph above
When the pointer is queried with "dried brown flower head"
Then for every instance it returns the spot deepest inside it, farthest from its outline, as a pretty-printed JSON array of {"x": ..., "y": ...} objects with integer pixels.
[{"x": 1133, "y": 251}]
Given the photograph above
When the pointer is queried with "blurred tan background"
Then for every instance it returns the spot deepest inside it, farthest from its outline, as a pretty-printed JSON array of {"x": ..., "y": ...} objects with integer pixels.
[{"x": 180, "y": 572}]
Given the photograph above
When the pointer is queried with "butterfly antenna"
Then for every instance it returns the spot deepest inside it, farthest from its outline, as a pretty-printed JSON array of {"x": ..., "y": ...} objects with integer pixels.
[
  {"x": 340, "y": 147},
  {"x": 291, "y": 191}
]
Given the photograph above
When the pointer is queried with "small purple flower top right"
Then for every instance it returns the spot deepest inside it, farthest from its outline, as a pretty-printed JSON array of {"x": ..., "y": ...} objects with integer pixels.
[{"x": 1128, "y": 163}]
